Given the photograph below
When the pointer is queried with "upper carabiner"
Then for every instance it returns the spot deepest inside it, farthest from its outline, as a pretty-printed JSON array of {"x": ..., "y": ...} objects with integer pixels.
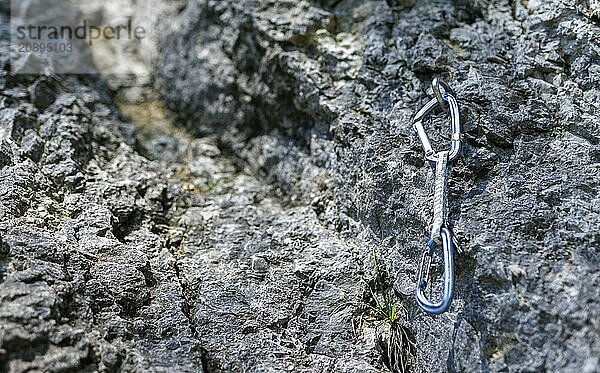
[{"x": 451, "y": 106}]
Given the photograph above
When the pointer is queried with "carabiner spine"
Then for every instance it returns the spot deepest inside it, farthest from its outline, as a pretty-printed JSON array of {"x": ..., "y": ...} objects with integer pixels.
[{"x": 455, "y": 124}]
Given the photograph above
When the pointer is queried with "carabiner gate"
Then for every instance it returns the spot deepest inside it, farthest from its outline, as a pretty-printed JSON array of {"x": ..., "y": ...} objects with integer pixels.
[{"x": 441, "y": 305}]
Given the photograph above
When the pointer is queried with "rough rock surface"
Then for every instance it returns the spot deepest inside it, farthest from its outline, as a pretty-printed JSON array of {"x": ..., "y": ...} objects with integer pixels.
[
  {"x": 88, "y": 282},
  {"x": 244, "y": 239},
  {"x": 303, "y": 89}
]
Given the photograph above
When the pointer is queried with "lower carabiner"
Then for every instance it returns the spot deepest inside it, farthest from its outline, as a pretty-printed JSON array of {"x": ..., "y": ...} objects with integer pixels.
[{"x": 442, "y": 305}]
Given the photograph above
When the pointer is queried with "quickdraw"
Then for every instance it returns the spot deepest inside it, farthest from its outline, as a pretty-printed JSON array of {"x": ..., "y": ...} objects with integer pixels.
[{"x": 440, "y": 232}]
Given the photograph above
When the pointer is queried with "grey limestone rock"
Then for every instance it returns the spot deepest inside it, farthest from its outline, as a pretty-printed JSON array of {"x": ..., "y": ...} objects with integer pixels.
[
  {"x": 255, "y": 199},
  {"x": 317, "y": 99}
]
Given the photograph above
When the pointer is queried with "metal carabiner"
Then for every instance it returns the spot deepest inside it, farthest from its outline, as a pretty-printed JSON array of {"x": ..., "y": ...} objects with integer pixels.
[
  {"x": 442, "y": 305},
  {"x": 426, "y": 110}
]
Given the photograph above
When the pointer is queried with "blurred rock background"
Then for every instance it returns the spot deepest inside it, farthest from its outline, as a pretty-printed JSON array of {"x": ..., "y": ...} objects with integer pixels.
[{"x": 243, "y": 190}]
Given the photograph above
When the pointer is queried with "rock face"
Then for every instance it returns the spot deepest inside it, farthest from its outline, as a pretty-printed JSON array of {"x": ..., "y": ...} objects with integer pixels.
[
  {"x": 273, "y": 217},
  {"x": 87, "y": 281},
  {"x": 302, "y": 89}
]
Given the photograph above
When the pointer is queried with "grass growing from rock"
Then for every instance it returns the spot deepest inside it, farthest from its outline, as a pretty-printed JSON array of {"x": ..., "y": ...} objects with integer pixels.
[
  {"x": 382, "y": 308},
  {"x": 391, "y": 320}
]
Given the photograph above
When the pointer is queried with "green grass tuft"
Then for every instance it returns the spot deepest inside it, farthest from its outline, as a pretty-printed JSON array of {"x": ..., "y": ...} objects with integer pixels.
[{"x": 383, "y": 308}]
